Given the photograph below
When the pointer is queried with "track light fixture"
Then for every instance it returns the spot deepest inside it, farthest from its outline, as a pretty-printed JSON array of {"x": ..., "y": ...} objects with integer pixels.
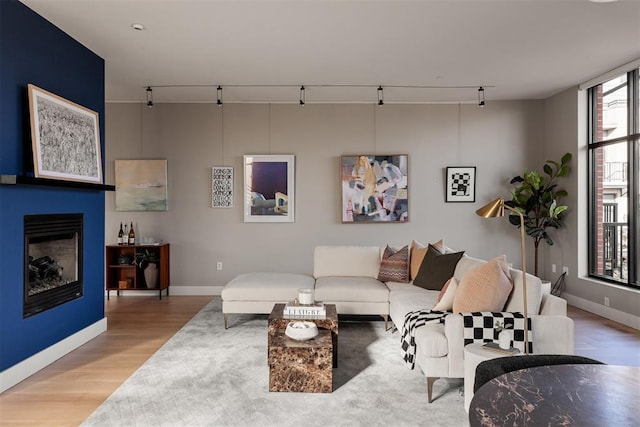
[
  {"x": 302, "y": 101},
  {"x": 219, "y": 93},
  {"x": 149, "y": 97}
]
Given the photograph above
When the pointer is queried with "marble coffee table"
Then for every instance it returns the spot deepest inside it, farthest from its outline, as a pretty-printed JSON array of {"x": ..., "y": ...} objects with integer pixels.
[
  {"x": 301, "y": 366},
  {"x": 330, "y": 322}
]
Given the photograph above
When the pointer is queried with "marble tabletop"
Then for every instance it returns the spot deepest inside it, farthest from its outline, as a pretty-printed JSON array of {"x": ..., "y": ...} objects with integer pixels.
[{"x": 560, "y": 395}]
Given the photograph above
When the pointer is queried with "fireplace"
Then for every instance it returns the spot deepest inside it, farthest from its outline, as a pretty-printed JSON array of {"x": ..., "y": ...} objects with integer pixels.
[{"x": 52, "y": 261}]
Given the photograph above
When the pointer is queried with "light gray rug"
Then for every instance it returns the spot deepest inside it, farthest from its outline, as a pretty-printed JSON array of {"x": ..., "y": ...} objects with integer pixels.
[{"x": 208, "y": 376}]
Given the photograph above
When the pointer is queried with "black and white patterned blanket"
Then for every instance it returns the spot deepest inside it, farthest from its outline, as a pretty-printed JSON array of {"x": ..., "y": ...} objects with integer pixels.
[
  {"x": 480, "y": 327},
  {"x": 412, "y": 321}
]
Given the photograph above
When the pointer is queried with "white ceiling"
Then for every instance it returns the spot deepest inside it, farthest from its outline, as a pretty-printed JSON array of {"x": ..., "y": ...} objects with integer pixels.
[{"x": 517, "y": 49}]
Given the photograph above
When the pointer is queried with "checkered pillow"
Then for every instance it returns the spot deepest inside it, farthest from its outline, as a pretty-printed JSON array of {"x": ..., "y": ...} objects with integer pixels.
[{"x": 480, "y": 327}]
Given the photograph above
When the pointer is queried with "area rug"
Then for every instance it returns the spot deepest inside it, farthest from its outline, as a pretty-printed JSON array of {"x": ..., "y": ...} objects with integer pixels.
[{"x": 208, "y": 376}]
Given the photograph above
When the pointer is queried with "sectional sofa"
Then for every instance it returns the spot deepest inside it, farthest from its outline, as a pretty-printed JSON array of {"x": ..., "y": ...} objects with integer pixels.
[{"x": 347, "y": 276}]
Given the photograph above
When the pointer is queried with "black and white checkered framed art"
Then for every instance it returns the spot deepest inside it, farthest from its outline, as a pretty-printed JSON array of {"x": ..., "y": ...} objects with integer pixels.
[{"x": 461, "y": 184}]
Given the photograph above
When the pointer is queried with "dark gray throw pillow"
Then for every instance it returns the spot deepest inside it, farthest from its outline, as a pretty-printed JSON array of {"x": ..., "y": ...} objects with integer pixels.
[{"x": 436, "y": 269}]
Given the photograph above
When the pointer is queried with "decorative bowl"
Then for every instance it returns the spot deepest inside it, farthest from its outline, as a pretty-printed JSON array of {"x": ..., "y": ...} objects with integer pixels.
[{"x": 301, "y": 330}]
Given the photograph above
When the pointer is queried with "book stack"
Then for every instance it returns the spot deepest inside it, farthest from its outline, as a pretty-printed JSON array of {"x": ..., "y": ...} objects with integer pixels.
[{"x": 295, "y": 310}]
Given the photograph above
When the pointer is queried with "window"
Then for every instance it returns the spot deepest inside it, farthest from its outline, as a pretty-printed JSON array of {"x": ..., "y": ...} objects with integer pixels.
[{"x": 614, "y": 179}]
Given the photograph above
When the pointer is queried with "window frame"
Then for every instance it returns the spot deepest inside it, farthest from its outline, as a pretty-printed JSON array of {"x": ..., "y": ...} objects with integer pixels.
[{"x": 632, "y": 140}]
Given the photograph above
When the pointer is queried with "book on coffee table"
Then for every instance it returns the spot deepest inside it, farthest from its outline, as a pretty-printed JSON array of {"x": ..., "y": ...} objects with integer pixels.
[{"x": 295, "y": 310}]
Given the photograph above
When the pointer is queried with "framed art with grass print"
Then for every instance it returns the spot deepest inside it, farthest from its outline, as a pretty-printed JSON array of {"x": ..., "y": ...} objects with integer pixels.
[{"x": 65, "y": 138}]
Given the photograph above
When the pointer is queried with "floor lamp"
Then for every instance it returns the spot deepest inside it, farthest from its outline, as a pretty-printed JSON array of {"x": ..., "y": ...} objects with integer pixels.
[{"x": 495, "y": 209}]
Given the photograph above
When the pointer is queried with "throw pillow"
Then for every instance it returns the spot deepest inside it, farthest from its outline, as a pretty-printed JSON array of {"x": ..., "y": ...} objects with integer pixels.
[
  {"x": 418, "y": 252},
  {"x": 394, "y": 266},
  {"x": 484, "y": 288},
  {"x": 447, "y": 294},
  {"x": 436, "y": 269}
]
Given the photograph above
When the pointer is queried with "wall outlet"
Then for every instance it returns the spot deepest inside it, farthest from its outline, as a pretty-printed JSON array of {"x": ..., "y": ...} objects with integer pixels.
[
  {"x": 219, "y": 265},
  {"x": 606, "y": 302},
  {"x": 553, "y": 268},
  {"x": 565, "y": 269}
]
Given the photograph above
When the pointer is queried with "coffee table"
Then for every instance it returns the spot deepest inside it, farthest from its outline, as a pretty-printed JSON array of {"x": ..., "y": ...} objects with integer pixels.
[
  {"x": 300, "y": 366},
  {"x": 278, "y": 323}
]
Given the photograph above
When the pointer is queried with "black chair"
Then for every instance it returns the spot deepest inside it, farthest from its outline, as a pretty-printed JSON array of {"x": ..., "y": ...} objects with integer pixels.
[{"x": 490, "y": 369}]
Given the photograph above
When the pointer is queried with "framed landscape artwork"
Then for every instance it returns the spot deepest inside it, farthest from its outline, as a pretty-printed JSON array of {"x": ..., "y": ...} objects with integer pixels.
[
  {"x": 141, "y": 185},
  {"x": 65, "y": 138},
  {"x": 222, "y": 187},
  {"x": 374, "y": 188},
  {"x": 269, "y": 188},
  {"x": 461, "y": 184}
]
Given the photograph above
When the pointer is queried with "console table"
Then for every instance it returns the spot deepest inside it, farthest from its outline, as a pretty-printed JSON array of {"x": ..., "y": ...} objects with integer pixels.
[
  {"x": 123, "y": 277},
  {"x": 577, "y": 395}
]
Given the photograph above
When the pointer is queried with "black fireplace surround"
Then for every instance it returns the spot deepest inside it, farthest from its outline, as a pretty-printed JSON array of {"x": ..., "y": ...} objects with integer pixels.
[{"x": 52, "y": 261}]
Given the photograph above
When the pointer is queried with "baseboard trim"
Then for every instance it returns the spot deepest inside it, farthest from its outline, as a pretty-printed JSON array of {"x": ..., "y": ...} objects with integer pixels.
[
  {"x": 22, "y": 370},
  {"x": 178, "y": 290},
  {"x": 601, "y": 310}
]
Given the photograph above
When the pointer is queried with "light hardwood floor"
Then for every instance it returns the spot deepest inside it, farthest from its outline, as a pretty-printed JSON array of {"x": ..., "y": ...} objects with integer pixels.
[{"x": 69, "y": 390}]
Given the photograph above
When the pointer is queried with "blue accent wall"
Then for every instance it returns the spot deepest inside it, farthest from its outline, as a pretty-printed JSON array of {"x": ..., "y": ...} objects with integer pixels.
[{"x": 32, "y": 50}]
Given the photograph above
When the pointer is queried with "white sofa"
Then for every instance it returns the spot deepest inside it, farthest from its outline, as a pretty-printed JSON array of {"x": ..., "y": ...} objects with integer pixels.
[
  {"x": 440, "y": 346},
  {"x": 347, "y": 276},
  {"x": 343, "y": 275}
]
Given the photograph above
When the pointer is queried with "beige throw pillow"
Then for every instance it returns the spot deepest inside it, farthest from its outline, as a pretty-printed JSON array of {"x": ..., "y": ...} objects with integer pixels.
[
  {"x": 484, "y": 288},
  {"x": 447, "y": 294}
]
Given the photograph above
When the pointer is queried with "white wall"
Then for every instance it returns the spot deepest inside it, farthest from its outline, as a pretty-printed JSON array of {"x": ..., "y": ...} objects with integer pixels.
[
  {"x": 500, "y": 139},
  {"x": 566, "y": 127}
]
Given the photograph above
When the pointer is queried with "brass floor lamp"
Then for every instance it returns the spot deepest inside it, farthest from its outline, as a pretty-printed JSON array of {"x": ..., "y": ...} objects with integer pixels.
[{"x": 495, "y": 209}]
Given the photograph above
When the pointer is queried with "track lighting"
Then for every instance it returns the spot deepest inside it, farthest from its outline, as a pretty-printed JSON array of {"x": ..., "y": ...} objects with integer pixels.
[
  {"x": 380, "y": 96},
  {"x": 149, "y": 97},
  {"x": 302, "y": 95},
  {"x": 481, "y": 96},
  {"x": 219, "y": 93}
]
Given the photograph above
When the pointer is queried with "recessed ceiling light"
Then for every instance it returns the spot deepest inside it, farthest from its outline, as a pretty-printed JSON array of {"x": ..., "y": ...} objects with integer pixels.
[
  {"x": 137, "y": 26},
  {"x": 602, "y": 1}
]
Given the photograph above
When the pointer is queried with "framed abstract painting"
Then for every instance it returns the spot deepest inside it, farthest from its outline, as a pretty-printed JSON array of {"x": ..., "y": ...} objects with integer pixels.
[{"x": 374, "y": 188}]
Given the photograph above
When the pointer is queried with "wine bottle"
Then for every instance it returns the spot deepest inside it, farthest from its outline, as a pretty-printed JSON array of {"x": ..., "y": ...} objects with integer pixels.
[
  {"x": 132, "y": 235},
  {"x": 121, "y": 236}
]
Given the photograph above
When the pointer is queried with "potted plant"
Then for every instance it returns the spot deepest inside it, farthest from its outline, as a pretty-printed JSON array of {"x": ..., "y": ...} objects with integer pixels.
[
  {"x": 147, "y": 260},
  {"x": 537, "y": 197}
]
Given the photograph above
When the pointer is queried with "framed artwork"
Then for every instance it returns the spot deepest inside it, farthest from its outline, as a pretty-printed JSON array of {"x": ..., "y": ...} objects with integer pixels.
[
  {"x": 269, "y": 188},
  {"x": 374, "y": 188},
  {"x": 222, "y": 187},
  {"x": 65, "y": 138},
  {"x": 461, "y": 184},
  {"x": 141, "y": 185}
]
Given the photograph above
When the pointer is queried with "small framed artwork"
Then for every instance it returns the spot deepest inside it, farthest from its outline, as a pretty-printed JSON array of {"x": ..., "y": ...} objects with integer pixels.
[
  {"x": 222, "y": 187},
  {"x": 141, "y": 185},
  {"x": 269, "y": 188},
  {"x": 65, "y": 138},
  {"x": 374, "y": 188},
  {"x": 461, "y": 184}
]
